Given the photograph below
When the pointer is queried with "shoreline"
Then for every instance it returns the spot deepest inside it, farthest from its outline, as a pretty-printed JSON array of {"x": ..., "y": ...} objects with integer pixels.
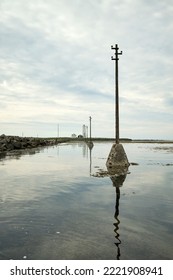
[{"x": 12, "y": 144}]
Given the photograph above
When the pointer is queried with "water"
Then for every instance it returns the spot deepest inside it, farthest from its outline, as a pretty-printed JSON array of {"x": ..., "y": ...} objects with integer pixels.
[{"x": 51, "y": 207}]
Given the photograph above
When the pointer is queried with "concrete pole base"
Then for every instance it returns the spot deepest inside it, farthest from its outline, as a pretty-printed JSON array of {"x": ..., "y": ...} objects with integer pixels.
[
  {"x": 117, "y": 158},
  {"x": 90, "y": 144}
]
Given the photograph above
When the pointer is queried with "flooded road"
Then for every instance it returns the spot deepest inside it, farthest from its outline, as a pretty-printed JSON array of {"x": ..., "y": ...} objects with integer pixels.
[{"x": 53, "y": 206}]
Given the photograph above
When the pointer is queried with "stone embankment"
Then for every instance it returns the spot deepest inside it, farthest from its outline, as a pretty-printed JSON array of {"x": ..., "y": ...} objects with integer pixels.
[{"x": 11, "y": 143}]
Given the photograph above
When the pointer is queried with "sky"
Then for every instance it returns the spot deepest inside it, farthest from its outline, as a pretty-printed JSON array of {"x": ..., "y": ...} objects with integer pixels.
[{"x": 56, "y": 68}]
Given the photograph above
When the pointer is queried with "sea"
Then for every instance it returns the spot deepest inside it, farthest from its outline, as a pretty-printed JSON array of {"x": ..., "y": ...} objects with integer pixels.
[{"x": 59, "y": 203}]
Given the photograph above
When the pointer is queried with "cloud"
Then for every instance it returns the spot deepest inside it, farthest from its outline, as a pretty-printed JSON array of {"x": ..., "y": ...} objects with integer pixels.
[{"x": 56, "y": 67}]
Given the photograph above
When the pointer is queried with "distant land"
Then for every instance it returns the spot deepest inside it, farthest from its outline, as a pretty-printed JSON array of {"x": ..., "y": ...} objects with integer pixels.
[{"x": 122, "y": 140}]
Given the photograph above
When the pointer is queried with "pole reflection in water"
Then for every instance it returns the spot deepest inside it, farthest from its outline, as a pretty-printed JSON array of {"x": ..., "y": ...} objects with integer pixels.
[
  {"x": 116, "y": 224},
  {"x": 118, "y": 177},
  {"x": 88, "y": 146},
  {"x": 90, "y": 151}
]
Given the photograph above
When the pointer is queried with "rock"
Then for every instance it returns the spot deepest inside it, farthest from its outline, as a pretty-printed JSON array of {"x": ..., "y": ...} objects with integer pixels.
[
  {"x": 9, "y": 147},
  {"x": 2, "y": 136},
  {"x": 3, "y": 147},
  {"x": 17, "y": 145},
  {"x": 9, "y": 143}
]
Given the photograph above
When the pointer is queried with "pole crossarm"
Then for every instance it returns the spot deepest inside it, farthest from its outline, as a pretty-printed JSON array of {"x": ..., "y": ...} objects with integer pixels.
[{"x": 116, "y": 48}]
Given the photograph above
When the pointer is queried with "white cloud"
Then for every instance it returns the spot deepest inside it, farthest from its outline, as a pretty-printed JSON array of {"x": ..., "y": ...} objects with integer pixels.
[{"x": 56, "y": 67}]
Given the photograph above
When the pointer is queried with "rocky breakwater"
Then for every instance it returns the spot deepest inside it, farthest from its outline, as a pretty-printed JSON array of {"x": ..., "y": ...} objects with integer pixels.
[{"x": 12, "y": 143}]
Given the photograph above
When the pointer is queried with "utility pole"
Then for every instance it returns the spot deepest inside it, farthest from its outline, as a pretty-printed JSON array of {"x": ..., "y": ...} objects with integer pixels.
[
  {"x": 90, "y": 127},
  {"x": 90, "y": 143},
  {"x": 57, "y": 130},
  {"x": 116, "y": 48},
  {"x": 117, "y": 158}
]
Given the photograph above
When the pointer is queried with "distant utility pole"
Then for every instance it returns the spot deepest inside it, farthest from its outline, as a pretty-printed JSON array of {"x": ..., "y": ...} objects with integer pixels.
[
  {"x": 116, "y": 48},
  {"x": 58, "y": 130},
  {"x": 90, "y": 126}
]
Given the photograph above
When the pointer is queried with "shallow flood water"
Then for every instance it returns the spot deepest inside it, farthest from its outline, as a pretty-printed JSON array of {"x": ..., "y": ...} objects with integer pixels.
[{"x": 52, "y": 206}]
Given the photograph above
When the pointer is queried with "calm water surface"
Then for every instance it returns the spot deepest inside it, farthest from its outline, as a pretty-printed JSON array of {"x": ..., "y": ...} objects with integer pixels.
[{"x": 51, "y": 207}]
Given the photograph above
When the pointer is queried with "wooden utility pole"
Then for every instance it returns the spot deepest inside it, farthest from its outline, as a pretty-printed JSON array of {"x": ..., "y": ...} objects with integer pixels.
[
  {"x": 57, "y": 130},
  {"x": 90, "y": 126},
  {"x": 90, "y": 143},
  {"x": 116, "y": 48},
  {"x": 117, "y": 158}
]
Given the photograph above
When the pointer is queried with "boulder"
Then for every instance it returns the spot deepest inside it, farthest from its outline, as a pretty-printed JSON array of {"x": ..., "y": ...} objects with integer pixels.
[
  {"x": 17, "y": 145},
  {"x": 9, "y": 143}
]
